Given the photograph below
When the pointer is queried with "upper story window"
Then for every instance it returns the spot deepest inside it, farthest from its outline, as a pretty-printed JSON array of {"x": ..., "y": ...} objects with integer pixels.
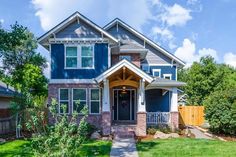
[
  {"x": 167, "y": 76},
  {"x": 79, "y": 57},
  {"x": 127, "y": 57},
  {"x": 71, "y": 57},
  {"x": 156, "y": 72},
  {"x": 146, "y": 68}
]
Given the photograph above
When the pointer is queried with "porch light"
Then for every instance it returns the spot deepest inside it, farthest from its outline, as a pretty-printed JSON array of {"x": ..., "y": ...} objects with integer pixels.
[{"x": 123, "y": 90}]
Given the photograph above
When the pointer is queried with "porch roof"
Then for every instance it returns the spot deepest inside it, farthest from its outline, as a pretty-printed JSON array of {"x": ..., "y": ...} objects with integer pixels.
[
  {"x": 127, "y": 64},
  {"x": 161, "y": 82}
]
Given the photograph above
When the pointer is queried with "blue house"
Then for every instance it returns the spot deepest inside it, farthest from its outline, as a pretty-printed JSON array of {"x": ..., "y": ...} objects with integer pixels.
[{"x": 123, "y": 77}]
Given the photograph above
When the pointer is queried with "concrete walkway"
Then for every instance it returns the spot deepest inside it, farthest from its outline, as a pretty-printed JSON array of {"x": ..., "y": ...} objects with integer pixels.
[
  {"x": 123, "y": 147},
  {"x": 198, "y": 133}
]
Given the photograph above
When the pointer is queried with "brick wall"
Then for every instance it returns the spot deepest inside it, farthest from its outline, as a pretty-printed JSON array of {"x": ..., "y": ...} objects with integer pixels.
[
  {"x": 141, "y": 124},
  {"x": 95, "y": 119},
  {"x": 135, "y": 57}
]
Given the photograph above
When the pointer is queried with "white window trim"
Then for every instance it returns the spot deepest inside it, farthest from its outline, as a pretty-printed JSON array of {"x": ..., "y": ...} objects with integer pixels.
[
  {"x": 72, "y": 97},
  {"x": 79, "y": 57},
  {"x": 120, "y": 57},
  {"x": 59, "y": 100},
  {"x": 90, "y": 101},
  {"x": 156, "y": 70},
  {"x": 167, "y": 75}
]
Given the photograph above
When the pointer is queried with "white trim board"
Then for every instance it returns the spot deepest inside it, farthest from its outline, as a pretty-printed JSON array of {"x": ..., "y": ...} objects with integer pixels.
[
  {"x": 118, "y": 21},
  {"x": 74, "y": 16},
  {"x": 124, "y": 63},
  {"x": 71, "y": 81}
]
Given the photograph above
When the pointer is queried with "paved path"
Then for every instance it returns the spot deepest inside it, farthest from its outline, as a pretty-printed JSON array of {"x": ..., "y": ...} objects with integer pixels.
[
  {"x": 123, "y": 147},
  {"x": 198, "y": 133}
]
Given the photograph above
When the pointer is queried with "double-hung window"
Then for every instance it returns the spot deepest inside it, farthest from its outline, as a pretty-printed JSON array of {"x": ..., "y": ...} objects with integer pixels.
[
  {"x": 87, "y": 56},
  {"x": 71, "y": 57},
  {"x": 79, "y": 57},
  {"x": 79, "y": 99},
  {"x": 64, "y": 100},
  {"x": 94, "y": 101}
]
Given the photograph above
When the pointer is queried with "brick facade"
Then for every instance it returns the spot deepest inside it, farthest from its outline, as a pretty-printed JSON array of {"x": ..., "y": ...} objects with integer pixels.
[
  {"x": 174, "y": 120},
  {"x": 94, "y": 119},
  {"x": 106, "y": 123},
  {"x": 141, "y": 124},
  {"x": 135, "y": 58}
]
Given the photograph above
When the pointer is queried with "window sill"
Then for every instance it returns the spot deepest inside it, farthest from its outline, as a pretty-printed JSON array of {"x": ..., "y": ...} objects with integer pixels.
[{"x": 77, "y": 68}]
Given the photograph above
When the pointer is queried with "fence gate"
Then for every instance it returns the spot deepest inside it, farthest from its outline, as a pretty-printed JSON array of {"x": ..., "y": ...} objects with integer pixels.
[{"x": 191, "y": 115}]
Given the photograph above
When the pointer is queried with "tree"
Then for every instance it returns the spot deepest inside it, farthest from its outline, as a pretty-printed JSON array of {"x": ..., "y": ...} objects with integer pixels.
[{"x": 22, "y": 67}]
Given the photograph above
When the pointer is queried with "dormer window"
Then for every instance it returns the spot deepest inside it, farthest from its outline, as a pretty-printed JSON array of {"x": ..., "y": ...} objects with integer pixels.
[
  {"x": 79, "y": 57},
  {"x": 127, "y": 57},
  {"x": 156, "y": 72},
  {"x": 167, "y": 76}
]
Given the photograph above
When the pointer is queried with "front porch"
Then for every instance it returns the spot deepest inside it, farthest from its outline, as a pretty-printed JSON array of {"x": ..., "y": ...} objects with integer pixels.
[{"x": 126, "y": 100}]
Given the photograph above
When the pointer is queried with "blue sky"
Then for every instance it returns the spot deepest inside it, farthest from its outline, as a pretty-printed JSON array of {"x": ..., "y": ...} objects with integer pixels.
[{"x": 187, "y": 28}]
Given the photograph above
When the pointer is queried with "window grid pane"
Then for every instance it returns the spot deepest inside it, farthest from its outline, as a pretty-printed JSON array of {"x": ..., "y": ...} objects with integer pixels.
[
  {"x": 95, "y": 101},
  {"x": 71, "y": 51},
  {"x": 87, "y": 62},
  {"x": 87, "y": 51}
]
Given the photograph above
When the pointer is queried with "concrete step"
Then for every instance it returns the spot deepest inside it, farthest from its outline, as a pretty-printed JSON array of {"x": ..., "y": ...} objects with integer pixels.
[{"x": 122, "y": 135}]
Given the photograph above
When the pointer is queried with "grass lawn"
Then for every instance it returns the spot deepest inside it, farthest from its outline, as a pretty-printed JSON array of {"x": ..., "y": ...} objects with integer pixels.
[
  {"x": 22, "y": 148},
  {"x": 184, "y": 147}
]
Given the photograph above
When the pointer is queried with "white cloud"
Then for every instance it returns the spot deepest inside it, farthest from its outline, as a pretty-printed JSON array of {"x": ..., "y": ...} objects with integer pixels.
[
  {"x": 230, "y": 59},
  {"x": 1, "y": 21},
  {"x": 192, "y": 2},
  {"x": 176, "y": 15},
  {"x": 187, "y": 52},
  {"x": 51, "y": 12},
  {"x": 207, "y": 52},
  {"x": 165, "y": 33}
]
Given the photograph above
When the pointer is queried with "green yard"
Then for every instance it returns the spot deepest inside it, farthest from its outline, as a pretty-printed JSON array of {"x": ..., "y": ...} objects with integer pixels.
[
  {"x": 22, "y": 148},
  {"x": 184, "y": 147}
]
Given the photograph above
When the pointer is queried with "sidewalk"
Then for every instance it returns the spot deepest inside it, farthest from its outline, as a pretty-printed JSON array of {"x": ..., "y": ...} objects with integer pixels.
[{"x": 124, "y": 147}]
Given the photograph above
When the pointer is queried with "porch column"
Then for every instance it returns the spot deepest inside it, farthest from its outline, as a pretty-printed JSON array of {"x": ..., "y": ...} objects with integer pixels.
[
  {"x": 141, "y": 114},
  {"x": 174, "y": 114},
  {"x": 106, "y": 114}
]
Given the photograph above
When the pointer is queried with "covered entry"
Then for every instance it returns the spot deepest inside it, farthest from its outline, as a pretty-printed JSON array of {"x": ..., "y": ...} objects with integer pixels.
[{"x": 124, "y": 104}]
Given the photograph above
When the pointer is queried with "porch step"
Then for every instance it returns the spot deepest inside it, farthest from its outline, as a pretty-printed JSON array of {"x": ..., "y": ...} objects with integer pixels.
[{"x": 123, "y": 131}]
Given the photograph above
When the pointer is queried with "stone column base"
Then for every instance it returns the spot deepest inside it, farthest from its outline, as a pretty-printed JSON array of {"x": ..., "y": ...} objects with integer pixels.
[
  {"x": 174, "y": 120},
  {"x": 141, "y": 124},
  {"x": 106, "y": 123}
]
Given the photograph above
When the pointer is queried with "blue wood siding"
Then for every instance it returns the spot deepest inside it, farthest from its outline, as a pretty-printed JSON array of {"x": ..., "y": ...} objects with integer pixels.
[
  {"x": 156, "y": 102},
  {"x": 59, "y": 72},
  {"x": 165, "y": 70}
]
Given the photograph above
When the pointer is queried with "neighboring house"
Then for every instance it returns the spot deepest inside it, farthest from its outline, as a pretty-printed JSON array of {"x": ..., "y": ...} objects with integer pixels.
[
  {"x": 121, "y": 75},
  {"x": 6, "y": 96}
]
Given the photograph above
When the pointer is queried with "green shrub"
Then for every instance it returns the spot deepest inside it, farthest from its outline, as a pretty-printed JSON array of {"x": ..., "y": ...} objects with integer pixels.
[
  {"x": 220, "y": 111},
  {"x": 64, "y": 137},
  {"x": 152, "y": 130}
]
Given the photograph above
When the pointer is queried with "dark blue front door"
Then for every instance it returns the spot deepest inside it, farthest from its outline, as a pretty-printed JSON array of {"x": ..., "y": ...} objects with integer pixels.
[{"x": 124, "y": 105}]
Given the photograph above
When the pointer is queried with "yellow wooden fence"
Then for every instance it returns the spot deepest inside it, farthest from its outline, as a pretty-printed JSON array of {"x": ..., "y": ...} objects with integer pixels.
[{"x": 191, "y": 115}]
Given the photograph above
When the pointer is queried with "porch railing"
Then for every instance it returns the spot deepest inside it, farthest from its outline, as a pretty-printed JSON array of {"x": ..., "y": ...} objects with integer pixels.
[{"x": 158, "y": 118}]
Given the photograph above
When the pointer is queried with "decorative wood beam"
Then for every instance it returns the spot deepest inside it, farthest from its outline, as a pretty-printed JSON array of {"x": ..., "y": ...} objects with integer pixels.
[
  {"x": 125, "y": 82},
  {"x": 124, "y": 68}
]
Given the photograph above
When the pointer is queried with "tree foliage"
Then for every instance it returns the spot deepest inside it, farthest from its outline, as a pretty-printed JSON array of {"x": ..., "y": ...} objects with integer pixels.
[
  {"x": 220, "y": 110},
  {"x": 205, "y": 77}
]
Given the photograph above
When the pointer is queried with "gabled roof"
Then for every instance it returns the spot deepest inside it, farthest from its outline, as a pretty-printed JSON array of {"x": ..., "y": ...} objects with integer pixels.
[
  {"x": 6, "y": 91},
  {"x": 127, "y": 64},
  {"x": 67, "y": 21},
  {"x": 143, "y": 37}
]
